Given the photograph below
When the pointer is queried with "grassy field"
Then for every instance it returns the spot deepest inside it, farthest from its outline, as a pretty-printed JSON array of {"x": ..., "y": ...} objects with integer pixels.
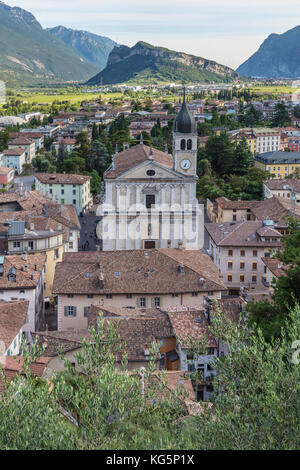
[
  {"x": 41, "y": 98},
  {"x": 273, "y": 90}
]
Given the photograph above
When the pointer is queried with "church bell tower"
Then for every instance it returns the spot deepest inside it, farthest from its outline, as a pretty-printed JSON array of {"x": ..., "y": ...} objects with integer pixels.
[{"x": 185, "y": 139}]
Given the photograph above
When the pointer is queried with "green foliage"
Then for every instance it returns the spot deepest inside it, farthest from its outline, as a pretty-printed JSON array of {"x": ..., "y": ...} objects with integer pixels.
[
  {"x": 282, "y": 117},
  {"x": 270, "y": 317},
  {"x": 258, "y": 404}
]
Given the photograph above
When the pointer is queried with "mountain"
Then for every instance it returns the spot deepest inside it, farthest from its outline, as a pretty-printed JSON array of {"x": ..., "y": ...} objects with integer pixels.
[
  {"x": 146, "y": 63},
  {"x": 91, "y": 47},
  {"x": 29, "y": 54},
  {"x": 277, "y": 57}
]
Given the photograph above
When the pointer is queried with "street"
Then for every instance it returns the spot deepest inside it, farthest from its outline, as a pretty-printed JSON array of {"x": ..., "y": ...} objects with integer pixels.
[{"x": 88, "y": 240}]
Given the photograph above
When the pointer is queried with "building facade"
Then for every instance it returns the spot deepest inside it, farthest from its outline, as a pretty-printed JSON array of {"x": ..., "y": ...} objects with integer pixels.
[{"x": 150, "y": 196}]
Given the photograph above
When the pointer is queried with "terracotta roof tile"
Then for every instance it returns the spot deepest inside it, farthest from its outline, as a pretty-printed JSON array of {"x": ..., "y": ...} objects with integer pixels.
[
  {"x": 136, "y": 271},
  {"x": 61, "y": 178},
  {"x": 12, "y": 319},
  {"x": 132, "y": 157}
]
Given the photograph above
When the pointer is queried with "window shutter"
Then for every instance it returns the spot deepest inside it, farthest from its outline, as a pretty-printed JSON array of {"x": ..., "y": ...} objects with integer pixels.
[
  {"x": 138, "y": 301},
  {"x": 86, "y": 311},
  {"x": 75, "y": 311},
  {"x": 152, "y": 302},
  {"x": 66, "y": 311}
]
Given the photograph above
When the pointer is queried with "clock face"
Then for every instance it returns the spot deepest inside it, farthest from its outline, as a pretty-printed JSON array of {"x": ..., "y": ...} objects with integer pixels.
[{"x": 185, "y": 164}]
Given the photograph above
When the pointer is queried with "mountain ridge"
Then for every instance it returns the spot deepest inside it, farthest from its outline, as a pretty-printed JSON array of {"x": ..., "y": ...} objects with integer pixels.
[
  {"x": 277, "y": 57},
  {"x": 31, "y": 53},
  {"x": 93, "y": 48},
  {"x": 144, "y": 60}
]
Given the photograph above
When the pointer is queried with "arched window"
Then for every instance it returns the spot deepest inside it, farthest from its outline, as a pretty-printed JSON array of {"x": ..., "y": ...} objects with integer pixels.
[
  {"x": 189, "y": 144},
  {"x": 182, "y": 144}
]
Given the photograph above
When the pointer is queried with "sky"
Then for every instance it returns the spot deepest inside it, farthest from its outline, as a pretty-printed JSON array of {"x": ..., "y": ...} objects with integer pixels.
[{"x": 228, "y": 31}]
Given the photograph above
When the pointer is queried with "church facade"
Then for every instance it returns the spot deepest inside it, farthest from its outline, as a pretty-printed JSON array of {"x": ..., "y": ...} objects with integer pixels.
[{"x": 150, "y": 196}]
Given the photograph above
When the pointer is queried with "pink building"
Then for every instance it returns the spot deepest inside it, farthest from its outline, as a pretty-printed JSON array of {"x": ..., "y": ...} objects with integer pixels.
[{"x": 6, "y": 175}]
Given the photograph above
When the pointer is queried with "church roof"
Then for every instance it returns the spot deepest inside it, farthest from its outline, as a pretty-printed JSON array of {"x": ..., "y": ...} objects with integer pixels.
[
  {"x": 185, "y": 122},
  {"x": 124, "y": 161}
]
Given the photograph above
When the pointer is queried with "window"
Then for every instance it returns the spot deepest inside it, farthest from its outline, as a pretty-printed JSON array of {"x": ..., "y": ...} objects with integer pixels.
[
  {"x": 230, "y": 266},
  {"x": 62, "y": 191},
  {"x": 74, "y": 192},
  {"x": 17, "y": 244},
  {"x": 229, "y": 278},
  {"x": 109, "y": 296},
  {"x": 182, "y": 144},
  {"x": 156, "y": 301},
  {"x": 230, "y": 252},
  {"x": 70, "y": 296},
  {"x": 90, "y": 296},
  {"x": 150, "y": 173},
  {"x": 254, "y": 279},
  {"x": 254, "y": 266},
  {"x": 242, "y": 252},
  {"x": 71, "y": 245},
  {"x": 70, "y": 311},
  {"x": 128, "y": 296},
  {"x": 150, "y": 200},
  {"x": 174, "y": 295},
  {"x": 85, "y": 312},
  {"x": 190, "y": 356},
  {"x": 194, "y": 294},
  {"x": 242, "y": 278},
  {"x": 74, "y": 202},
  {"x": 254, "y": 252},
  {"x": 189, "y": 144},
  {"x": 56, "y": 254},
  {"x": 31, "y": 245},
  {"x": 142, "y": 302},
  {"x": 210, "y": 350},
  {"x": 242, "y": 266}
]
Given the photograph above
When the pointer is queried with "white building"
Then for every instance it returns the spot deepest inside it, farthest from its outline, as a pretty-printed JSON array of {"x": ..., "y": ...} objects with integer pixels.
[
  {"x": 150, "y": 196},
  {"x": 14, "y": 158},
  {"x": 22, "y": 278}
]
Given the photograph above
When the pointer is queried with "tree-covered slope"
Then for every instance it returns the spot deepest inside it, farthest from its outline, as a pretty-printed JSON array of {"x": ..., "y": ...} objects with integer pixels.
[{"x": 30, "y": 52}]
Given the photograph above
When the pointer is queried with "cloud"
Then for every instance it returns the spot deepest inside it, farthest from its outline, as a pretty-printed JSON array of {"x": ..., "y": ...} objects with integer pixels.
[{"x": 224, "y": 31}]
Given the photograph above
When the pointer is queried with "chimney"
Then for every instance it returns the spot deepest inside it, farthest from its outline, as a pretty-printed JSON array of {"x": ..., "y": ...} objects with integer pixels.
[
  {"x": 101, "y": 281},
  {"x": 31, "y": 226},
  {"x": 25, "y": 256},
  {"x": 151, "y": 154},
  {"x": 141, "y": 139},
  {"x": 181, "y": 268},
  {"x": 125, "y": 146}
]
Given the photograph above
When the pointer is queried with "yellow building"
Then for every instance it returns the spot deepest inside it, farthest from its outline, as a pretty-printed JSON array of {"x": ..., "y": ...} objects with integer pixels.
[{"x": 279, "y": 164}]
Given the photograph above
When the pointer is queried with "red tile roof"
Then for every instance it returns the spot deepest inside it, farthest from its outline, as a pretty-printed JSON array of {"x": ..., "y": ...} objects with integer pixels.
[{"x": 134, "y": 156}]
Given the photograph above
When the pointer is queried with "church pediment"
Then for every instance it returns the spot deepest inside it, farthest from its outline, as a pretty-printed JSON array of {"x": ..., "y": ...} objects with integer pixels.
[{"x": 151, "y": 170}]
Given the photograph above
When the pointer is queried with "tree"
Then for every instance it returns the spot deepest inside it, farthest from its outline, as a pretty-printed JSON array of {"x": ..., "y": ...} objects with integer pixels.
[
  {"x": 220, "y": 153},
  {"x": 110, "y": 406},
  {"x": 271, "y": 316},
  {"x": 257, "y": 404},
  {"x": 282, "y": 117},
  {"x": 243, "y": 158},
  {"x": 82, "y": 144},
  {"x": 98, "y": 158},
  {"x": 4, "y": 139}
]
